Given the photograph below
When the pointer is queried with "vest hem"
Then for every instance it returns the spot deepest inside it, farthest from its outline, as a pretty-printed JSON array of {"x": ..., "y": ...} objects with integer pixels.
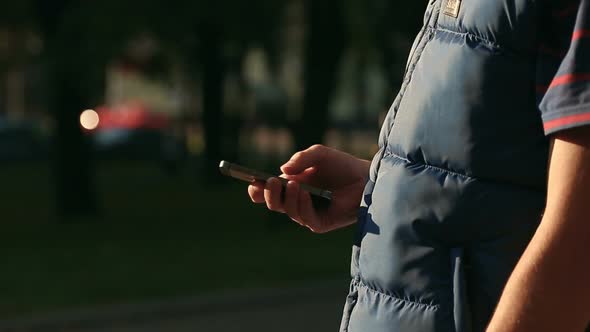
[
  {"x": 426, "y": 306},
  {"x": 435, "y": 168}
]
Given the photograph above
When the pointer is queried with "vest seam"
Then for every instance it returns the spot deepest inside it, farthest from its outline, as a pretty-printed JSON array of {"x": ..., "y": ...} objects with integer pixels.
[
  {"x": 497, "y": 46},
  {"x": 361, "y": 284},
  {"x": 469, "y": 34},
  {"x": 390, "y": 154},
  {"x": 436, "y": 168}
]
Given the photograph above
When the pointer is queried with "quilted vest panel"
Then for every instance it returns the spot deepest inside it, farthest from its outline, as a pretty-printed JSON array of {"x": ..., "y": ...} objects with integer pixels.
[{"x": 458, "y": 186}]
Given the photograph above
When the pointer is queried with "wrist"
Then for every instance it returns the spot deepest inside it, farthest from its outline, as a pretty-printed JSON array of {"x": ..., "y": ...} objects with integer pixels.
[{"x": 364, "y": 166}]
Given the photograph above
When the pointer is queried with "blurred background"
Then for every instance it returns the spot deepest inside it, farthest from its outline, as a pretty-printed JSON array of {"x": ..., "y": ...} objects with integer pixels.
[{"x": 114, "y": 116}]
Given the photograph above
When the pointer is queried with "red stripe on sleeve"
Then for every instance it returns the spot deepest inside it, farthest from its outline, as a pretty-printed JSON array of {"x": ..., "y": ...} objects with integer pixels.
[
  {"x": 567, "y": 120},
  {"x": 569, "y": 78},
  {"x": 579, "y": 34}
]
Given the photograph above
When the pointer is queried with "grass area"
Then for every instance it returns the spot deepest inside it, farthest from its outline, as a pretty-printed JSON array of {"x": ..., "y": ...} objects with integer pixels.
[{"x": 159, "y": 237}]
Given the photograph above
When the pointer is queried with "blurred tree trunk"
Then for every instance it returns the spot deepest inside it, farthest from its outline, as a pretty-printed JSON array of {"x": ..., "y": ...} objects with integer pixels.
[
  {"x": 234, "y": 117},
  {"x": 69, "y": 76},
  {"x": 387, "y": 30},
  {"x": 75, "y": 195},
  {"x": 324, "y": 46},
  {"x": 384, "y": 37},
  {"x": 213, "y": 68}
]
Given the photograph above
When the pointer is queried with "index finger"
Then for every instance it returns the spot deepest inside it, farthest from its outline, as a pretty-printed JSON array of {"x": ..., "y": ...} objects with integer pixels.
[
  {"x": 256, "y": 192},
  {"x": 303, "y": 160},
  {"x": 307, "y": 213}
]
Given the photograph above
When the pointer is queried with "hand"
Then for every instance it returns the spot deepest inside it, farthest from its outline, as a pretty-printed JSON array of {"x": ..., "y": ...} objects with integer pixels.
[{"x": 343, "y": 174}]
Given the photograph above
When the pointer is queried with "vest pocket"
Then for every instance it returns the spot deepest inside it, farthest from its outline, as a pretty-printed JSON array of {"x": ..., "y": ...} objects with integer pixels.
[
  {"x": 461, "y": 310},
  {"x": 349, "y": 305}
]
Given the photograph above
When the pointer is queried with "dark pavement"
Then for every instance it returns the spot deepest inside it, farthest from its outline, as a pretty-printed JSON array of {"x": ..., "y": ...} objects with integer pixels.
[{"x": 306, "y": 308}]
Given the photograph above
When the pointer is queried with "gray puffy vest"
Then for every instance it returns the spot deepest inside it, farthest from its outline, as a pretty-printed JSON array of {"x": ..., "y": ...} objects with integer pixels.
[{"x": 459, "y": 184}]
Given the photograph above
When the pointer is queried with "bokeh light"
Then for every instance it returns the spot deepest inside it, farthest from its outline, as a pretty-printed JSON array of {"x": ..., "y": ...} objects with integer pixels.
[{"x": 89, "y": 119}]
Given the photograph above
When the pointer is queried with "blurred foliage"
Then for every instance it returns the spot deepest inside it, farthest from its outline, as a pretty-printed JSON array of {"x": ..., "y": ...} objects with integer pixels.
[
  {"x": 95, "y": 31},
  {"x": 108, "y": 23},
  {"x": 16, "y": 13}
]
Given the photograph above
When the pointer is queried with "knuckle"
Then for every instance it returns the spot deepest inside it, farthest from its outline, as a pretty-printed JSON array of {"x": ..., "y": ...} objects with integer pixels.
[
  {"x": 273, "y": 206},
  {"x": 292, "y": 189},
  {"x": 319, "y": 151},
  {"x": 294, "y": 217},
  {"x": 254, "y": 195},
  {"x": 297, "y": 221},
  {"x": 297, "y": 155},
  {"x": 272, "y": 188},
  {"x": 317, "y": 148},
  {"x": 317, "y": 230},
  {"x": 291, "y": 211},
  {"x": 289, "y": 207},
  {"x": 313, "y": 229}
]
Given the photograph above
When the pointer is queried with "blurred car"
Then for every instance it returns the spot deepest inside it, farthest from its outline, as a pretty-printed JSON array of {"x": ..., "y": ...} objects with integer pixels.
[
  {"x": 21, "y": 141},
  {"x": 131, "y": 131}
]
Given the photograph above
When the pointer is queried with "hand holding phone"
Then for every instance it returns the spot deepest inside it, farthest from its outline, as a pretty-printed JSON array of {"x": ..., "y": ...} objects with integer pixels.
[{"x": 342, "y": 174}]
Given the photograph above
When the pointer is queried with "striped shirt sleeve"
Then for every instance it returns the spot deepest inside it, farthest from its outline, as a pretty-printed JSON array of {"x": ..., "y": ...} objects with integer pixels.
[{"x": 565, "y": 102}]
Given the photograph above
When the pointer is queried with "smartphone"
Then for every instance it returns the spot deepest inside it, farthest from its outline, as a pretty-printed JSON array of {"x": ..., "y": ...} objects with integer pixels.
[{"x": 319, "y": 196}]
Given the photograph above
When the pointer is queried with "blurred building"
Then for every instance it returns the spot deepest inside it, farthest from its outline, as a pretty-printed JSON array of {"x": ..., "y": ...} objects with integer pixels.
[
  {"x": 24, "y": 124},
  {"x": 141, "y": 75}
]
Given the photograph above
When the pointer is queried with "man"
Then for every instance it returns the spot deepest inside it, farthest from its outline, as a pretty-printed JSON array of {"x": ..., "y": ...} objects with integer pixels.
[{"x": 459, "y": 186}]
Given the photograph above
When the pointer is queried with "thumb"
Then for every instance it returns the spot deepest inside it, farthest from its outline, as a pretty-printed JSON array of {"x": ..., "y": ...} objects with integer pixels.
[
  {"x": 302, "y": 177},
  {"x": 304, "y": 159}
]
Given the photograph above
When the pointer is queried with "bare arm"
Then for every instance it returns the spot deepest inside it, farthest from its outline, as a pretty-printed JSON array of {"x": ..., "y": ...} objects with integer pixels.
[{"x": 549, "y": 289}]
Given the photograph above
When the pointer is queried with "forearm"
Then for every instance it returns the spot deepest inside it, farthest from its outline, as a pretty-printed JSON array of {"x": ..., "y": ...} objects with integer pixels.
[{"x": 548, "y": 290}]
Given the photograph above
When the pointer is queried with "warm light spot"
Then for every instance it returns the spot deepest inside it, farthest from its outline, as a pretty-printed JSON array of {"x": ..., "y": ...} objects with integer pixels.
[{"x": 89, "y": 119}]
